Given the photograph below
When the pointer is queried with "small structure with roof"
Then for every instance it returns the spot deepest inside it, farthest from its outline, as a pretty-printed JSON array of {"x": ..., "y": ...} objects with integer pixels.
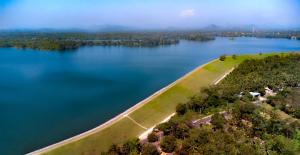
[{"x": 255, "y": 94}]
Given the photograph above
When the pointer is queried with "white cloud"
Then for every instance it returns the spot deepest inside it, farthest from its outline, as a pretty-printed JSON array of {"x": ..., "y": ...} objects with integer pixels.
[{"x": 187, "y": 13}]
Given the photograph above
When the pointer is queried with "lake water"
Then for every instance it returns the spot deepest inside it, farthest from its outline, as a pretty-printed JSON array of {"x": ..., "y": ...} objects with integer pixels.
[{"x": 46, "y": 97}]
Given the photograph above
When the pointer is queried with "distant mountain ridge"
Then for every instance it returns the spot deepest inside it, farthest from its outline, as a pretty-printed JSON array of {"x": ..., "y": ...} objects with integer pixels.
[{"x": 121, "y": 28}]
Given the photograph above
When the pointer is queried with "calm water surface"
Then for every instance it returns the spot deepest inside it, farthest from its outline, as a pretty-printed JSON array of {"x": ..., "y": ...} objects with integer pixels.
[{"x": 46, "y": 97}]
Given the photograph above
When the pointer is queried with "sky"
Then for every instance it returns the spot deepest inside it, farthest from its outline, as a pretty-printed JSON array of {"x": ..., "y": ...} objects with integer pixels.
[{"x": 36, "y": 14}]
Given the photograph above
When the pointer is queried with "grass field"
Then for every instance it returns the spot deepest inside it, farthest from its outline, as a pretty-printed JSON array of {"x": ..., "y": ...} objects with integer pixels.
[{"x": 153, "y": 111}]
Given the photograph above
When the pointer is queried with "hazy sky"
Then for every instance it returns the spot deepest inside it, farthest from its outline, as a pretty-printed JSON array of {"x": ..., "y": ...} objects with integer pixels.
[{"x": 147, "y": 13}]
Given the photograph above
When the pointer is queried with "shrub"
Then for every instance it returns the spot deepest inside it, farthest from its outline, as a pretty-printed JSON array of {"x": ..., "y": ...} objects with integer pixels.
[
  {"x": 218, "y": 121},
  {"x": 149, "y": 149},
  {"x": 182, "y": 131},
  {"x": 152, "y": 137},
  {"x": 167, "y": 127},
  {"x": 181, "y": 109},
  {"x": 222, "y": 57},
  {"x": 168, "y": 144},
  {"x": 297, "y": 113},
  {"x": 131, "y": 146}
]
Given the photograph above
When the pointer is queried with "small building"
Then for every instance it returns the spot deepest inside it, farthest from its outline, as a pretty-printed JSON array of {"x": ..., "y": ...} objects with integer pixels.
[{"x": 254, "y": 94}]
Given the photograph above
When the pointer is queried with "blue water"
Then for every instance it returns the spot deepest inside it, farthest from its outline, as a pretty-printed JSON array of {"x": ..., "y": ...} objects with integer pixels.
[{"x": 46, "y": 97}]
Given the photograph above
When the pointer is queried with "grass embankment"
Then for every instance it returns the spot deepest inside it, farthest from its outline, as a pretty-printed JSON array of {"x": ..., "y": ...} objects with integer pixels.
[{"x": 154, "y": 111}]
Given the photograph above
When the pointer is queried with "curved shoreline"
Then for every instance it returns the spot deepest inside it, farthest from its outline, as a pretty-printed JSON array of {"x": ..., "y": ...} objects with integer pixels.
[{"x": 116, "y": 118}]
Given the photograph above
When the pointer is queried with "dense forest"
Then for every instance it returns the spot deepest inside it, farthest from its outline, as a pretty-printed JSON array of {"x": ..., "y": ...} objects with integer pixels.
[
  {"x": 67, "y": 41},
  {"x": 227, "y": 119}
]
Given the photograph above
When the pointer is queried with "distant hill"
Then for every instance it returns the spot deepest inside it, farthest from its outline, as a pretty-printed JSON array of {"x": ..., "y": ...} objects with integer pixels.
[{"x": 98, "y": 28}]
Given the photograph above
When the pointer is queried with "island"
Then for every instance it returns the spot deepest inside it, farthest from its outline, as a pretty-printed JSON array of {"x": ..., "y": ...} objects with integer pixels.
[{"x": 63, "y": 41}]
